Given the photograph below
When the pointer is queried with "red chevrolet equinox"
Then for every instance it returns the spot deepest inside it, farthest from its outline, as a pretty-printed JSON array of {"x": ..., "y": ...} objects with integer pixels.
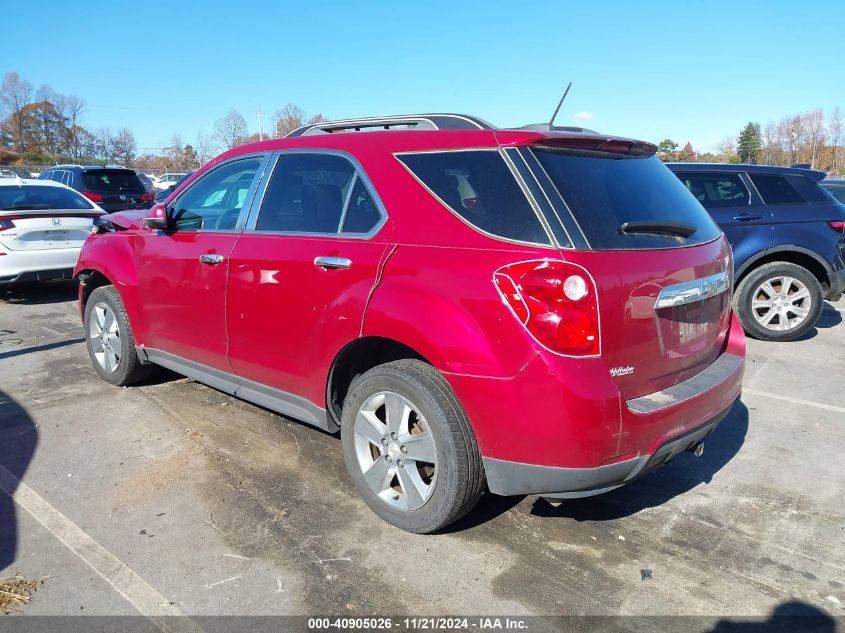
[{"x": 526, "y": 311}]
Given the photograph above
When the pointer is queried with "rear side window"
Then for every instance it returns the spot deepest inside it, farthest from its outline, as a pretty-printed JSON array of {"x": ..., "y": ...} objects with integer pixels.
[
  {"x": 838, "y": 193},
  {"x": 716, "y": 190},
  {"x": 604, "y": 191},
  {"x": 111, "y": 180},
  {"x": 479, "y": 187},
  {"x": 776, "y": 189},
  {"x": 35, "y": 197}
]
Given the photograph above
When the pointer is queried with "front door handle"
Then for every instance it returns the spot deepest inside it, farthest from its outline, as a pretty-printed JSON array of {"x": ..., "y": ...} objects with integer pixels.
[
  {"x": 745, "y": 217},
  {"x": 332, "y": 262},
  {"x": 211, "y": 258}
]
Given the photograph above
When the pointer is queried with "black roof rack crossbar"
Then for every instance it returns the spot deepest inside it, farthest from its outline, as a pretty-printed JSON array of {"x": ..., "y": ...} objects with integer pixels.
[{"x": 404, "y": 121}]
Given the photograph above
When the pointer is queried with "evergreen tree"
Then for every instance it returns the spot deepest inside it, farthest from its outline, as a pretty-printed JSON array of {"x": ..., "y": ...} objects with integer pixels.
[{"x": 749, "y": 143}]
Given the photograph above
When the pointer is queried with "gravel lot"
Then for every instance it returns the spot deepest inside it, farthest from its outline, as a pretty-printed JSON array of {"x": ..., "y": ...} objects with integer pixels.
[{"x": 172, "y": 498}]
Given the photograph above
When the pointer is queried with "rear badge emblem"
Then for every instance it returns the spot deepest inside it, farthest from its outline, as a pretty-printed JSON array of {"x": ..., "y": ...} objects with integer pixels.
[
  {"x": 621, "y": 371},
  {"x": 57, "y": 221},
  {"x": 123, "y": 198}
]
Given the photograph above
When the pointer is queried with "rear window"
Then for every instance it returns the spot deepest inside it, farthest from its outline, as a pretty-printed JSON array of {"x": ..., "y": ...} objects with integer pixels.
[
  {"x": 837, "y": 192},
  {"x": 478, "y": 186},
  {"x": 604, "y": 191},
  {"x": 111, "y": 180},
  {"x": 35, "y": 197},
  {"x": 796, "y": 189}
]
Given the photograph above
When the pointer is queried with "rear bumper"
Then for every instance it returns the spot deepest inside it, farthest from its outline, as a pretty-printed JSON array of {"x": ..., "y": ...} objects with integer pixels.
[
  {"x": 37, "y": 265},
  {"x": 561, "y": 425},
  {"x": 513, "y": 478}
]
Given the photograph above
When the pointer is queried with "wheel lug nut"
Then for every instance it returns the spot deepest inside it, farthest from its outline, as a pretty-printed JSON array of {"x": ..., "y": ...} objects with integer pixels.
[
  {"x": 393, "y": 436},
  {"x": 387, "y": 459},
  {"x": 403, "y": 448},
  {"x": 400, "y": 463},
  {"x": 384, "y": 441}
]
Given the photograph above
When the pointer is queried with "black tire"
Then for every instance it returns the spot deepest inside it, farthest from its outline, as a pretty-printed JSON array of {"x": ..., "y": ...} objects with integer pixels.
[
  {"x": 128, "y": 368},
  {"x": 459, "y": 480},
  {"x": 745, "y": 294}
]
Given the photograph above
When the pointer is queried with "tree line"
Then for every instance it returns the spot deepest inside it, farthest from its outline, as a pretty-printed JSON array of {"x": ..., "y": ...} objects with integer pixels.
[
  {"x": 809, "y": 139},
  {"x": 44, "y": 127}
]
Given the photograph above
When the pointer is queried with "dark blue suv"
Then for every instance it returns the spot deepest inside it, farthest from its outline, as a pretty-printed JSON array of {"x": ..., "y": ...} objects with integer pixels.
[{"x": 788, "y": 240}]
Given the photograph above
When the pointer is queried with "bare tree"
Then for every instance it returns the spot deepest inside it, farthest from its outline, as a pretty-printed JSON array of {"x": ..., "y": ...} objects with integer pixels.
[
  {"x": 205, "y": 147},
  {"x": 835, "y": 133},
  {"x": 231, "y": 129},
  {"x": 102, "y": 145},
  {"x": 726, "y": 149},
  {"x": 771, "y": 143},
  {"x": 71, "y": 108},
  {"x": 287, "y": 119},
  {"x": 814, "y": 132},
  {"x": 124, "y": 147},
  {"x": 792, "y": 130},
  {"x": 15, "y": 94}
]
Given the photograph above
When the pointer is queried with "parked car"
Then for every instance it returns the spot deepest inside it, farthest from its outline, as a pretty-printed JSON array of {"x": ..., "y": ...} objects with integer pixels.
[
  {"x": 7, "y": 173},
  {"x": 162, "y": 195},
  {"x": 165, "y": 180},
  {"x": 112, "y": 187},
  {"x": 428, "y": 293},
  {"x": 788, "y": 239},
  {"x": 146, "y": 181},
  {"x": 836, "y": 187},
  {"x": 43, "y": 225}
]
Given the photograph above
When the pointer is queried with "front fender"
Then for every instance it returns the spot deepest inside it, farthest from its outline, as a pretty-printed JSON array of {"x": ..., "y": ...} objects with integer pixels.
[{"x": 113, "y": 256}]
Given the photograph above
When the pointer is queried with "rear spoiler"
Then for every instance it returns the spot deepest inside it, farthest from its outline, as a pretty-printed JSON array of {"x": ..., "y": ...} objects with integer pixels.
[
  {"x": 600, "y": 144},
  {"x": 813, "y": 175}
]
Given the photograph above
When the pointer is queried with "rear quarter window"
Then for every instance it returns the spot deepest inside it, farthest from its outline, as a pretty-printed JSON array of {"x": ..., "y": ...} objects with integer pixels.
[
  {"x": 715, "y": 190},
  {"x": 604, "y": 191},
  {"x": 479, "y": 187},
  {"x": 791, "y": 189}
]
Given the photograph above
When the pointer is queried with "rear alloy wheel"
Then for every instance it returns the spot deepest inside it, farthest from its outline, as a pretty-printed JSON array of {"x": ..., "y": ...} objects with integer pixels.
[
  {"x": 409, "y": 447},
  {"x": 779, "y": 301},
  {"x": 109, "y": 339}
]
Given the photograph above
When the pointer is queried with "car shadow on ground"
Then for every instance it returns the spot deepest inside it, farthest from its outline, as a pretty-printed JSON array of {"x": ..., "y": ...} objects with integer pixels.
[
  {"x": 40, "y": 293},
  {"x": 791, "y": 616},
  {"x": 18, "y": 438}
]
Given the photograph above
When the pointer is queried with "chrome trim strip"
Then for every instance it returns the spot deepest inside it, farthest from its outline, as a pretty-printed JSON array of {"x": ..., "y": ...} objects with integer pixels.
[
  {"x": 718, "y": 371},
  {"x": 692, "y": 291}
]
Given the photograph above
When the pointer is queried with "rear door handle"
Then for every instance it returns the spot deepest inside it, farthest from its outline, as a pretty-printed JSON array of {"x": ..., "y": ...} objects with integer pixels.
[
  {"x": 332, "y": 262},
  {"x": 745, "y": 217},
  {"x": 210, "y": 258}
]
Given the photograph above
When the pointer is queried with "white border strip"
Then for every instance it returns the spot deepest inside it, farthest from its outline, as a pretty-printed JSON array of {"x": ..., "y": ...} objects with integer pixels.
[{"x": 807, "y": 403}]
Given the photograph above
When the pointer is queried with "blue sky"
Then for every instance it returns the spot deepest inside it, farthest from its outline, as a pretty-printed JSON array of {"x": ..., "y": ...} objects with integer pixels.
[{"x": 694, "y": 71}]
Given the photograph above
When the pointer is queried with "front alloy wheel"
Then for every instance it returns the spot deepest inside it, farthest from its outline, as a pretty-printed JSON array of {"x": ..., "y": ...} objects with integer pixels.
[{"x": 104, "y": 337}]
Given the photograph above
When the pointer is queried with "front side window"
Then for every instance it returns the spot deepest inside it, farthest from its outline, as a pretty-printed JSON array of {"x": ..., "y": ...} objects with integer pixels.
[
  {"x": 715, "y": 190},
  {"x": 479, "y": 187},
  {"x": 317, "y": 194},
  {"x": 214, "y": 202}
]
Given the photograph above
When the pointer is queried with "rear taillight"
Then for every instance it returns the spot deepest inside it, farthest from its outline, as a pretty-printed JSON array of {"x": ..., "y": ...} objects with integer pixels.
[
  {"x": 6, "y": 224},
  {"x": 93, "y": 197},
  {"x": 556, "y": 302},
  {"x": 146, "y": 197},
  {"x": 837, "y": 225}
]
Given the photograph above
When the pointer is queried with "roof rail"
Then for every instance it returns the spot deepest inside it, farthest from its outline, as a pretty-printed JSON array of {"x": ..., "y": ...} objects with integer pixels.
[
  {"x": 545, "y": 127},
  {"x": 443, "y": 121}
]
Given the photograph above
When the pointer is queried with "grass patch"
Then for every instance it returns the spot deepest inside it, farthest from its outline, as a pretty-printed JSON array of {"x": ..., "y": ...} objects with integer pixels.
[{"x": 15, "y": 592}]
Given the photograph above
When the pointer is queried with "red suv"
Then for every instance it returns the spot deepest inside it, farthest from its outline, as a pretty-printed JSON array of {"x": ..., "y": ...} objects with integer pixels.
[{"x": 530, "y": 311}]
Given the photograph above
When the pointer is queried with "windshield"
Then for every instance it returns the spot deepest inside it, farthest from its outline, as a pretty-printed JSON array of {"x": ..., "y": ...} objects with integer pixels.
[
  {"x": 111, "y": 180},
  {"x": 609, "y": 193},
  {"x": 37, "y": 197}
]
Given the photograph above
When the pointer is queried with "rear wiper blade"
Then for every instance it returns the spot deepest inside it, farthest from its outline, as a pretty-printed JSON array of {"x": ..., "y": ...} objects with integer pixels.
[{"x": 658, "y": 227}]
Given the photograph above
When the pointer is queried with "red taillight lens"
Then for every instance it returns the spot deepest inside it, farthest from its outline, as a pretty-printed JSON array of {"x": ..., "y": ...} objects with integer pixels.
[
  {"x": 839, "y": 226},
  {"x": 93, "y": 197},
  {"x": 556, "y": 302},
  {"x": 146, "y": 197},
  {"x": 6, "y": 224}
]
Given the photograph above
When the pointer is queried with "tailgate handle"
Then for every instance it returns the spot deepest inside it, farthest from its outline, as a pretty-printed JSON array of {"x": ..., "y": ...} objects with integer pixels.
[
  {"x": 745, "y": 217},
  {"x": 211, "y": 258},
  {"x": 692, "y": 291}
]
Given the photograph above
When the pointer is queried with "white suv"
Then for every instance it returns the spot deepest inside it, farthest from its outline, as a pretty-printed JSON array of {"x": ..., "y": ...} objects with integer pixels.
[
  {"x": 43, "y": 224},
  {"x": 165, "y": 180}
]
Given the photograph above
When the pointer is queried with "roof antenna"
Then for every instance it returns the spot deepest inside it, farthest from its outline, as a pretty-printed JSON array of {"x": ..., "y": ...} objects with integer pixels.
[{"x": 559, "y": 103}]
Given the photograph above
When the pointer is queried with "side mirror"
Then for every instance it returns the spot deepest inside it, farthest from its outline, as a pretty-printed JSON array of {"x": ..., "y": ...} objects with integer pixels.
[{"x": 156, "y": 217}]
